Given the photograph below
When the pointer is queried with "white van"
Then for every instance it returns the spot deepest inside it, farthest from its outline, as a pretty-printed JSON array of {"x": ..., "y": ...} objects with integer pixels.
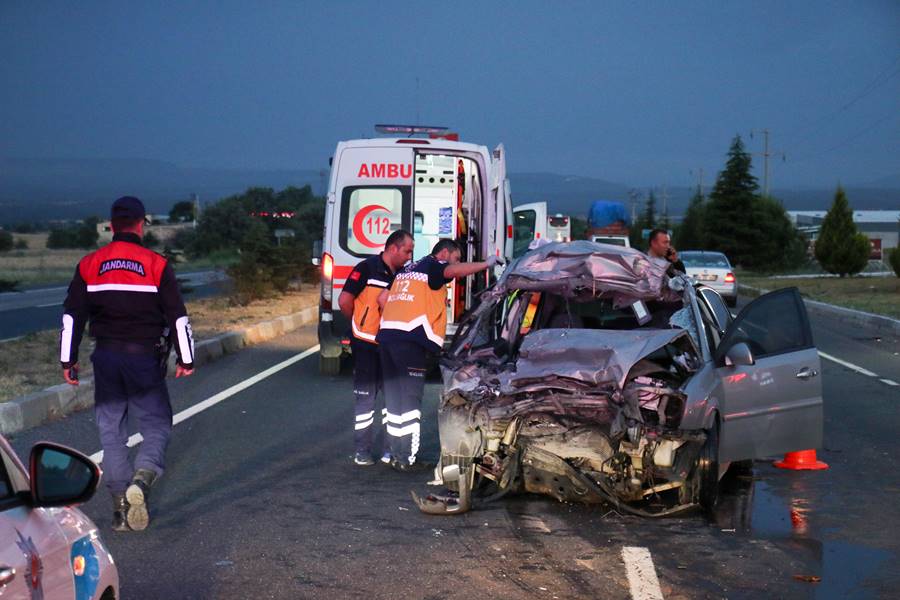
[{"x": 434, "y": 188}]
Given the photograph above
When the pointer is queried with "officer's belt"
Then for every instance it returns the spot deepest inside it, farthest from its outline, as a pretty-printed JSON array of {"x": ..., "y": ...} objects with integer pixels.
[{"x": 114, "y": 345}]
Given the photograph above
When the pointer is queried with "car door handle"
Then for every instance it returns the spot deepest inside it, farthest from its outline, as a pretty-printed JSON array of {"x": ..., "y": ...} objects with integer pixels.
[
  {"x": 7, "y": 574},
  {"x": 806, "y": 373}
]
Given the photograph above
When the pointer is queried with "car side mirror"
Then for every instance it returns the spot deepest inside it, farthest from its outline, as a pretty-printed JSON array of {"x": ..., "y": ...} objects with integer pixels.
[
  {"x": 61, "y": 476},
  {"x": 739, "y": 355},
  {"x": 317, "y": 252}
]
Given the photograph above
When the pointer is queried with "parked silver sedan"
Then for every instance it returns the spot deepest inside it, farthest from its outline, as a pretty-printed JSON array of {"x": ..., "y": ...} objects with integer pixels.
[
  {"x": 587, "y": 374},
  {"x": 711, "y": 269},
  {"x": 48, "y": 548}
]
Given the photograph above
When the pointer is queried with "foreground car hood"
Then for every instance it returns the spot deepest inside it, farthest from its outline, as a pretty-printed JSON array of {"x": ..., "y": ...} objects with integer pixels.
[{"x": 588, "y": 356}]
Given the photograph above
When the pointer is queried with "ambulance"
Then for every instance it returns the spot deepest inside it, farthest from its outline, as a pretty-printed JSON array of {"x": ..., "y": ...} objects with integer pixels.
[{"x": 434, "y": 187}]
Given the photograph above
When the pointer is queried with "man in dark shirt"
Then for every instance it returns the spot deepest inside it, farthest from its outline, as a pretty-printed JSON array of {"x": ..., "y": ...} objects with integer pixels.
[
  {"x": 131, "y": 298},
  {"x": 359, "y": 303}
]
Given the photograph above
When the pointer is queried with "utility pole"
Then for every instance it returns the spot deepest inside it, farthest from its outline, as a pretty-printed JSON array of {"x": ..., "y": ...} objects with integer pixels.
[
  {"x": 766, "y": 154},
  {"x": 699, "y": 179},
  {"x": 633, "y": 197}
]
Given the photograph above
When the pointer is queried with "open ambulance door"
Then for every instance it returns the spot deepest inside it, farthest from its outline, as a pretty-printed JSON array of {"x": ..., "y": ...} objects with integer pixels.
[
  {"x": 500, "y": 231},
  {"x": 529, "y": 223}
]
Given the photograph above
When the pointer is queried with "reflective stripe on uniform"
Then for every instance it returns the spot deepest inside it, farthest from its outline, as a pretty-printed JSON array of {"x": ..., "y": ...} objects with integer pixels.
[
  {"x": 122, "y": 287},
  {"x": 377, "y": 283},
  {"x": 365, "y": 416},
  {"x": 65, "y": 338},
  {"x": 412, "y": 428},
  {"x": 363, "y": 425},
  {"x": 361, "y": 334},
  {"x": 401, "y": 419},
  {"x": 422, "y": 321}
]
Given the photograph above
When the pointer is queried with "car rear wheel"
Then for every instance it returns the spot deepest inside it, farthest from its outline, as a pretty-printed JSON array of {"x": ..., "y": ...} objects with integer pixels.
[
  {"x": 707, "y": 471},
  {"x": 329, "y": 365}
]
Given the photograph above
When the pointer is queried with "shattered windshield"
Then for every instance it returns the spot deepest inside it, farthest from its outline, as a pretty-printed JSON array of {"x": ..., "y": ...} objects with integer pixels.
[{"x": 574, "y": 286}]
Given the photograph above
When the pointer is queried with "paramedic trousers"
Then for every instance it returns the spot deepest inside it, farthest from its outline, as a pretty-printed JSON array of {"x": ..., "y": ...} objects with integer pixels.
[
  {"x": 366, "y": 387},
  {"x": 130, "y": 384},
  {"x": 403, "y": 369}
]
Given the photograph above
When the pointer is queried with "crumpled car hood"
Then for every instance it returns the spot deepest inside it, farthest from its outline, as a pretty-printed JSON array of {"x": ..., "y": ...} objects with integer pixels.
[
  {"x": 589, "y": 356},
  {"x": 563, "y": 268}
]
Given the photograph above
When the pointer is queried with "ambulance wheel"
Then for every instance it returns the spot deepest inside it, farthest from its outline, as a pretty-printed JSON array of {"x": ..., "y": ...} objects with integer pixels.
[{"x": 329, "y": 365}]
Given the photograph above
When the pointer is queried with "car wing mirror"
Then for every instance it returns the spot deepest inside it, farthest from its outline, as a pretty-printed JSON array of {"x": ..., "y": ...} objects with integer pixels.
[
  {"x": 61, "y": 476},
  {"x": 739, "y": 355}
]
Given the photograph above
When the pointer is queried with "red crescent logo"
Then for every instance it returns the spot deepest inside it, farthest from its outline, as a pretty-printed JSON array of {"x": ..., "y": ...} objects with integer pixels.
[{"x": 358, "y": 228}]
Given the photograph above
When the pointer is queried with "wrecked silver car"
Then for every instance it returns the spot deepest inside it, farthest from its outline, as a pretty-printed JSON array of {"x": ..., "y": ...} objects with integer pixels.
[{"x": 588, "y": 374}]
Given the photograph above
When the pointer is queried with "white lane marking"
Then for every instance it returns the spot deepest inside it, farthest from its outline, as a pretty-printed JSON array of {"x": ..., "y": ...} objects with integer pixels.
[
  {"x": 641, "y": 573},
  {"x": 189, "y": 412},
  {"x": 889, "y": 382},
  {"x": 850, "y": 366},
  {"x": 49, "y": 304}
]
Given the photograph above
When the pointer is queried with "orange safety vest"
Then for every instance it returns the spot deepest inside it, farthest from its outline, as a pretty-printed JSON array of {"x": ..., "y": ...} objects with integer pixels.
[
  {"x": 414, "y": 308},
  {"x": 366, "y": 312}
]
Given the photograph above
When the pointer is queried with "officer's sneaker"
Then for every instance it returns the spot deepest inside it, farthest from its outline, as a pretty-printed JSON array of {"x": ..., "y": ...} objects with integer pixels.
[
  {"x": 138, "y": 515},
  {"x": 363, "y": 459},
  {"x": 120, "y": 511},
  {"x": 404, "y": 466},
  {"x": 386, "y": 458}
]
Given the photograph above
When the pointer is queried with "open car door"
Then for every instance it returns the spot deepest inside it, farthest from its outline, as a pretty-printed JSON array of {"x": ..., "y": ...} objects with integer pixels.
[
  {"x": 529, "y": 223},
  {"x": 774, "y": 405}
]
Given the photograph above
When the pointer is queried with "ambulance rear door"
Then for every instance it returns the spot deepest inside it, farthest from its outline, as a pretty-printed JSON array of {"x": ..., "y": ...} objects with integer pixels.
[
  {"x": 498, "y": 223},
  {"x": 373, "y": 198}
]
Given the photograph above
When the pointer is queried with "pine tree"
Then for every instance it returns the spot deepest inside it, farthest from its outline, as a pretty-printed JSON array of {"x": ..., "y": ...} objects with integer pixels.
[
  {"x": 726, "y": 223},
  {"x": 840, "y": 248},
  {"x": 689, "y": 233}
]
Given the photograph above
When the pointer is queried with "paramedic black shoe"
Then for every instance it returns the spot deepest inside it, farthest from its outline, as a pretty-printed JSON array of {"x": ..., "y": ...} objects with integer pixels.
[
  {"x": 138, "y": 515},
  {"x": 403, "y": 466},
  {"x": 363, "y": 459},
  {"x": 120, "y": 510},
  {"x": 386, "y": 458}
]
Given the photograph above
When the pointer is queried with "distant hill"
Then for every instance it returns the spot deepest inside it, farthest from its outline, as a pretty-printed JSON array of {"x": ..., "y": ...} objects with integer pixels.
[{"x": 44, "y": 189}]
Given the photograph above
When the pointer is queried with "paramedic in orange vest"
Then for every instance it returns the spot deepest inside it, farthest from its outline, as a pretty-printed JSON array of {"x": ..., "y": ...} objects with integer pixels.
[
  {"x": 413, "y": 324},
  {"x": 359, "y": 303}
]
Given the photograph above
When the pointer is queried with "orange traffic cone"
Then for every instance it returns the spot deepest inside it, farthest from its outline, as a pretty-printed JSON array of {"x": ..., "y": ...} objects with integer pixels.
[{"x": 802, "y": 460}]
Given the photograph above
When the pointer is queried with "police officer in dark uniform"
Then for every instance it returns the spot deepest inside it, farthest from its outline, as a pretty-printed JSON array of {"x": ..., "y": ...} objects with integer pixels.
[
  {"x": 359, "y": 303},
  {"x": 413, "y": 325},
  {"x": 131, "y": 298}
]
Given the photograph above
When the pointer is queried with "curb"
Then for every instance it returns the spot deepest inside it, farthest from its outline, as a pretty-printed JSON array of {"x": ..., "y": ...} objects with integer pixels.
[
  {"x": 849, "y": 315},
  {"x": 58, "y": 401}
]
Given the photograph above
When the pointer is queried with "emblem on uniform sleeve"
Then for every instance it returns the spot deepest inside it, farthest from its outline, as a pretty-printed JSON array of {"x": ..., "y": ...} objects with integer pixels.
[
  {"x": 354, "y": 276},
  {"x": 122, "y": 264}
]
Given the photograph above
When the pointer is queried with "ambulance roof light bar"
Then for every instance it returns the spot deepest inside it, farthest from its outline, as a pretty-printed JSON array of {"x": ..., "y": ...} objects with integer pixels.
[{"x": 411, "y": 129}]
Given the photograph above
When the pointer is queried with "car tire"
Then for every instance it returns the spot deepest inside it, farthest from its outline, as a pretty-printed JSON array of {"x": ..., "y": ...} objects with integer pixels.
[
  {"x": 707, "y": 471},
  {"x": 329, "y": 365}
]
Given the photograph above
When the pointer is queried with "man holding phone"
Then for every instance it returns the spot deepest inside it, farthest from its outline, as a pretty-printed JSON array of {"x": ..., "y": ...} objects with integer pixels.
[{"x": 661, "y": 247}]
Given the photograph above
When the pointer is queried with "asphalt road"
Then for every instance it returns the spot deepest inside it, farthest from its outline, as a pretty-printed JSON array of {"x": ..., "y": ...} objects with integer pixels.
[
  {"x": 40, "y": 308},
  {"x": 261, "y": 500}
]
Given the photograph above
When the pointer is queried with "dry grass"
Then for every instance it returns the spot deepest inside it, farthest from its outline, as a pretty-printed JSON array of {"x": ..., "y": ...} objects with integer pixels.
[
  {"x": 38, "y": 264},
  {"x": 32, "y": 363},
  {"x": 879, "y": 295}
]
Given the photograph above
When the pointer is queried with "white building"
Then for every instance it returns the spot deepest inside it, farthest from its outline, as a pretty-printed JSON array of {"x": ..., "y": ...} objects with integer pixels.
[{"x": 882, "y": 227}]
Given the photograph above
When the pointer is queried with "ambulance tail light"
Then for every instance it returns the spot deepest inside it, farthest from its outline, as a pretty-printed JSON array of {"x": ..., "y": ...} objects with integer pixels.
[
  {"x": 729, "y": 278},
  {"x": 509, "y": 231},
  {"x": 327, "y": 279}
]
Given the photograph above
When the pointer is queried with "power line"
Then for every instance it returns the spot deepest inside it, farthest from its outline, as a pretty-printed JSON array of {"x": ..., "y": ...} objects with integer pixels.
[
  {"x": 849, "y": 140},
  {"x": 883, "y": 77}
]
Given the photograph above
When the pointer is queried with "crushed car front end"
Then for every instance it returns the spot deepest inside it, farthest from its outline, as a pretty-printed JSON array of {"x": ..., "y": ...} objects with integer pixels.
[{"x": 569, "y": 380}]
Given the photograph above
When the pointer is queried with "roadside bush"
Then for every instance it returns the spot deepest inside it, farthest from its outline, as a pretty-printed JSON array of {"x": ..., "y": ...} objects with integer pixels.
[
  {"x": 893, "y": 259},
  {"x": 8, "y": 285},
  {"x": 150, "y": 240},
  {"x": 78, "y": 236},
  {"x": 840, "y": 248},
  {"x": 6, "y": 241},
  {"x": 21, "y": 244}
]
